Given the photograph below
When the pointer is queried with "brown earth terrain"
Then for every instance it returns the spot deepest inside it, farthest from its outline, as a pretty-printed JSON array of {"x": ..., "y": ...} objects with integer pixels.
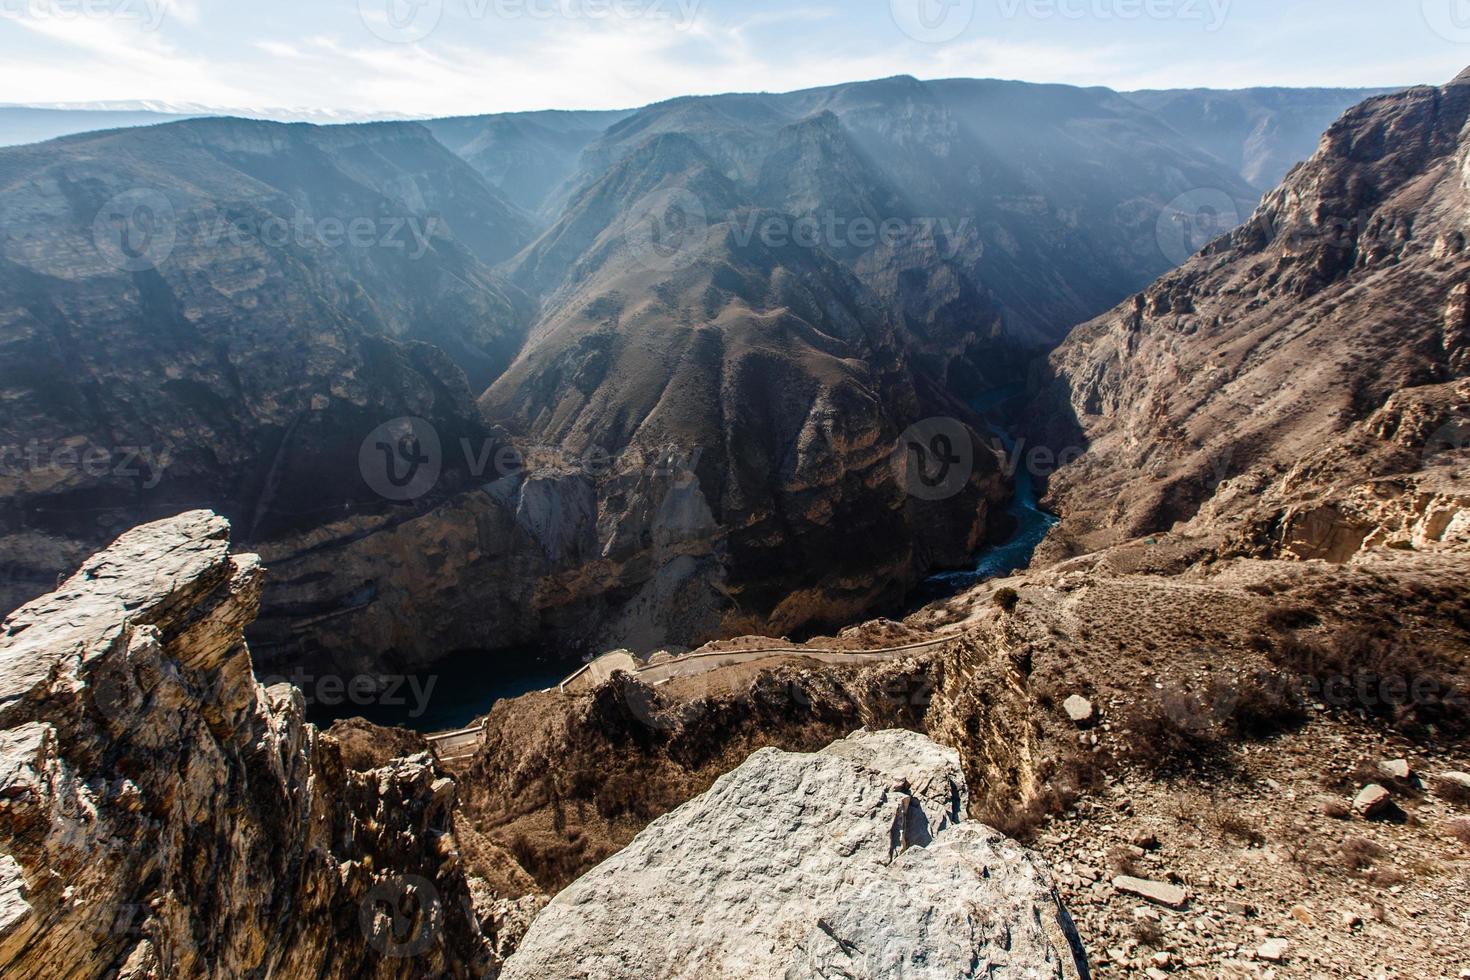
[{"x": 1230, "y": 700}]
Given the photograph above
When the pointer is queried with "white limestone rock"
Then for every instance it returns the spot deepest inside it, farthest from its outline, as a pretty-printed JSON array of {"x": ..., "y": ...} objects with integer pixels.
[{"x": 851, "y": 862}]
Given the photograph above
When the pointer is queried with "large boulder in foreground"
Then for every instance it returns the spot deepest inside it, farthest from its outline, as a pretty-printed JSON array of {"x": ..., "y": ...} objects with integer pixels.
[{"x": 851, "y": 862}]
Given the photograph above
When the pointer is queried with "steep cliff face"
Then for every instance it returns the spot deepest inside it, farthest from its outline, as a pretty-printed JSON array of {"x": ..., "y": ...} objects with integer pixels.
[
  {"x": 163, "y": 815},
  {"x": 784, "y": 387},
  {"x": 1251, "y": 377},
  {"x": 220, "y": 312},
  {"x": 562, "y": 779}
]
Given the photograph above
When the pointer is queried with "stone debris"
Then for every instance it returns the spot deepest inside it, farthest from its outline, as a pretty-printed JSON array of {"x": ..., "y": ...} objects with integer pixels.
[
  {"x": 1396, "y": 768},
  {"x": 1273, "y": 950},
  {"x": 1172, "y": 896},
  {"x": 1080, "y": 710},
  {"x": 1373, "y": 802}
]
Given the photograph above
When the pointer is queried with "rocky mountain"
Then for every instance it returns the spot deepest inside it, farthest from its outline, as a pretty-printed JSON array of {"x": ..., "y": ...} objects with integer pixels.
[
  {"x": 526, "y": 155},
  {"x": 998, "y": 195},
  {"x": 776, "y": 288},
  {"x": 728, "y": 316},
  {"x": 220, "y": 312},
  {"x": 1296, "y": 376},
  {"x": 784, "y": 387},
  {"x": 1261, "y": 132}
]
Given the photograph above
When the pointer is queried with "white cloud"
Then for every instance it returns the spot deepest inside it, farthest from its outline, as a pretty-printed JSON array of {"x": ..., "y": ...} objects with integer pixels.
[{"x": 321, "y": 55}]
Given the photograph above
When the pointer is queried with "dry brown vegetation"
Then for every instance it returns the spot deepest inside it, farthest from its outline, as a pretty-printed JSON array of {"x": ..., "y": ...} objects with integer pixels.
[
  {"x": 1233, "y": 826},
  {"x": 1359, "y": 854},
  {"x": 1417, "y": 688},
  {"x": 1063, "y": 782}
]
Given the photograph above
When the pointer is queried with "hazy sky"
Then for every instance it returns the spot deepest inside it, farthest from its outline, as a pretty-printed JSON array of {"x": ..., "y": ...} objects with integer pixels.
[{"x": 463, "y": 56}]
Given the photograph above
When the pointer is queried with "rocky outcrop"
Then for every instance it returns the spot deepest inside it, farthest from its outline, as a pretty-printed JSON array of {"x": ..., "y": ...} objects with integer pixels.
[
  {"x": 854, "y": 861},
  {"x": 163, "y": 815},
  {"x": 564, "y": 778},
  {"x": 1296, "y": 378}
]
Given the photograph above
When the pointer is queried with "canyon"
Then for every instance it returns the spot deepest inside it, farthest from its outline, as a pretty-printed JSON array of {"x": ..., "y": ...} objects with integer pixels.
[
  {"x": 494, "y": 289},
  {"x": 1217, "y": 725}
]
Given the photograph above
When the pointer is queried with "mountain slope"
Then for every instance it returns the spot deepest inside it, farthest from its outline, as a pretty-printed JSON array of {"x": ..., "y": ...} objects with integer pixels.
[
  {"x": 526, "y": 155},
  {"x": 220, "y": 311},
  {"x": 777, "y": 287},
  {"x": 1038, "y": 203},
  {"x": 1312, "y": 359},
  {"x": 1262, "y": 132},
  {"x": 27, "y": 124}
]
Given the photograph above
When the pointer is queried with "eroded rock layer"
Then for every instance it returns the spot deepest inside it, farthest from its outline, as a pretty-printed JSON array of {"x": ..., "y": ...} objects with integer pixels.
[
  {"x": 163, "y": 815},
  {"x": 1300, "y": 383}
]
